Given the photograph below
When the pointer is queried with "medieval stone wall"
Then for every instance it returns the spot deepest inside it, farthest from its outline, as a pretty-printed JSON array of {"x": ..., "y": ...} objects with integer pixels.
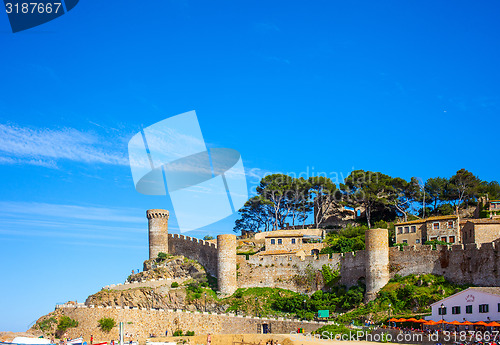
[
  {"x": 477, "y": 264},
  {"x": 291, "y": 271},
  {"x": 143, "y": 322},
  {"x": 202, "y": 251}
]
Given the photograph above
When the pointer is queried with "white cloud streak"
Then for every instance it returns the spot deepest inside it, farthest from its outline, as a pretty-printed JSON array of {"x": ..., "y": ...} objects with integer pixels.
[{"x": 43, "y": 147}]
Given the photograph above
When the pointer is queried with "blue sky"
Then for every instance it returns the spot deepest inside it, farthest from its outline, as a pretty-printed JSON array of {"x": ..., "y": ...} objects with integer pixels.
[{"x": 409, "y": 88}]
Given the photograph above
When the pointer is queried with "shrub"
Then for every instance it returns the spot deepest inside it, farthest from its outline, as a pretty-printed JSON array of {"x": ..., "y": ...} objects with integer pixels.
[
  {"x": 46, "y": 324},
  {"x": 66, "y": 322},
  {"x": 162, "y": 256},
  {"x": 178, "y": 333},
  {"x": 208, "y": 238},
  {"x": 189, "y": 333},
  {"x": 107, "y": 323},
  {"x": 174, "y": 285},
  {"x": 400, "y": 245}
]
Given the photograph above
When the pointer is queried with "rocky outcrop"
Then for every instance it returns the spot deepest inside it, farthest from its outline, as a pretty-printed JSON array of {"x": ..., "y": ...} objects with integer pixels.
[
  {"x": 156, "y": 298},
  {"x": 171, "y": 267}
]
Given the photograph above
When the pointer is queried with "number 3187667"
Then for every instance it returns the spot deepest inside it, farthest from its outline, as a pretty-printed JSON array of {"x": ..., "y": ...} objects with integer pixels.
[{"x": 33, "y": 7}]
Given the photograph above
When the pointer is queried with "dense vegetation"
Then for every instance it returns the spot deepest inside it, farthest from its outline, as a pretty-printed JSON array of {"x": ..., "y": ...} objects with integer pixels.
[
  {"x": 348, "y": 239},
  {"x": 269, "y": 301},
  {"x": 404, "y": 296},
  {"x": 285, "y": 199},
  {"x": 411, "y": 295}
]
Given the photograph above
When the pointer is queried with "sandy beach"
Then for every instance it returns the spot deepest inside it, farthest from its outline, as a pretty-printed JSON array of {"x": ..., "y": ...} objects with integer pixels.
[{"x": 259, "y": 339}]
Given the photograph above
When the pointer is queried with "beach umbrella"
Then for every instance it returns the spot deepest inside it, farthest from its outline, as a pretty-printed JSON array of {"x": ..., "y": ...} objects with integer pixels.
[
  {"x": 393, "y": 319},
  {"x": 440, "y": 322},
  {"x": 412, "y": 320},
  {"x": 456, "y": 323},
  {"x": 421, "y": 321},
  {"x": 402, "y": 320},
  {"x": 494, "y": 324},
  {"x": 430, "y": 323},
  {"x": 467, "y": 323},
  {"x": 481, "y": 323}
]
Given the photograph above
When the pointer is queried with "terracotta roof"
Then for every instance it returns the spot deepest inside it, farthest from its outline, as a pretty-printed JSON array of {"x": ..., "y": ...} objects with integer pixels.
[
  {"x": 484, "y": 221},
  {"x": 495, "y": 290},
  {"x": 417, "y": 221},
  {"x": 289, "y": 235},
  {"x": 430, "y": 219},
  {"x": 276, "y": 252}
]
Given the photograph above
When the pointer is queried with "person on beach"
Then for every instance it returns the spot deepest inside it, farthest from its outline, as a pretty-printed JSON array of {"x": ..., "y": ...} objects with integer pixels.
[
  {"x": 91, "y": 339},
  {"x": 209, "y": 339}
]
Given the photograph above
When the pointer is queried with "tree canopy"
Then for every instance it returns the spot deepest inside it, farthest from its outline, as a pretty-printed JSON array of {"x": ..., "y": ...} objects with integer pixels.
[{"x": 282, "y": 199}]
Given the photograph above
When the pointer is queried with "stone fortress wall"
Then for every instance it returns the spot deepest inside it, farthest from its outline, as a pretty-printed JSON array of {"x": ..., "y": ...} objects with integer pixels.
[
  {"x": 142, "y": 322},
  {"x": 463, "y": 264},
  {"x": 202, "y": 251}
]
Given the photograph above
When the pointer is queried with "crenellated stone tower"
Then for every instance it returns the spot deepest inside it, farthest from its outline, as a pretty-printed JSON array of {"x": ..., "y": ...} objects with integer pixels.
[
  {"x": 226, "y": 264},
  {"x": 377, "y": 261},
  {"x": 158, "y": 232}
]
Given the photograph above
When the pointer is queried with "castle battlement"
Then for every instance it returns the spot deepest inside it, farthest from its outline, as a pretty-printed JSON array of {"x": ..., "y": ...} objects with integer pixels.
[{"x": 459, "y": 263}]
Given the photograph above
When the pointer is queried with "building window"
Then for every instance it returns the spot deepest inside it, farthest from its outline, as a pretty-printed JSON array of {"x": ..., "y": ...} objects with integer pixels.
[
  {"x": 455, "y": 310},
  {"x": 435, "y": 226},
  {"x": 483, "y": 308},
  {"x": 273, "y": 241},
  {"x": 468, "y": 309},
  {"x": 433, "y": 238},
  {"x": 442, "y": 311},
  {"x": 407, "y": 229},
  {"x": 451, "y": 239},
  {"x": 465, "y": 235},
  {"x": 413, "y": 228},
  {"x": 443, "y": 238},
  {"x": 450, "y": 224},
  {"x": 499, "y": 307},
  {"x": 293, "y": 240},
  {"x": 405, "y": 241},
  {"x": 400, "y": 230},
  {"x": 280, "y": 241},
  {"x": 417, "y": 241}
]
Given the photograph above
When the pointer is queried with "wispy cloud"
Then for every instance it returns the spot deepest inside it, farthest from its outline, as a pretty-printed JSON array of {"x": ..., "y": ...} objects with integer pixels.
[
  {"x": 44, "y": 147},
  {"x": 62, "y": 222},
  {"x": 90, "y": 213}
]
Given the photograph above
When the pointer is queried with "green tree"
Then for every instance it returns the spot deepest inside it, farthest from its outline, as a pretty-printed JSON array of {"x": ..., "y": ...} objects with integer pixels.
[
  {"x": 435, "y": 188},
  {"x": 208, "y": 238},
  {"x": 298, "y": 198},
  {"x": 276, "y": 188},
  {"x": 463, "y": 187},
  {"x": 255, "y": 215},
  {"x": 369, "y": 189},
  {"x": 405, "y": 193},
  {"x": 323, "y": 192}
]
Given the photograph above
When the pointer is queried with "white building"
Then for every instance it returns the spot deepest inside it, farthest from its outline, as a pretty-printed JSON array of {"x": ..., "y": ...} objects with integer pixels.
[{"x": 473, "y": 304}]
